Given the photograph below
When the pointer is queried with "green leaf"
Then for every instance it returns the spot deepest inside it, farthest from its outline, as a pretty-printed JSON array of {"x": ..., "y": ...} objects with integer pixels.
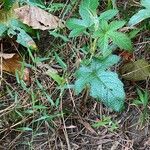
[
  {"x": 145, "y": 3},
  {"x": 121, "y": 40},
  {"x": 103, "y": 43},
  {"x": 88, "y": 8},
  {"x": 24, "y": 39},
  {"x": 88, "y": 13},
  {"x": 139, "y": 16},
  {"x": 75, "y": 23},
  {"x": 3, "y": 29},
  {"x": 109, "y": 14},
  {"x": 104, "y": 85},
  {"x": 90, "y": 5},
  {"x": 136, "y": 71},
  {"x": 77, "y": 26},
  {"x": 109, "y": 89},
  {"x": 115, "y": 25},
  {"x": 134, "y": 32},
  {"x": 76, "y": 32}
]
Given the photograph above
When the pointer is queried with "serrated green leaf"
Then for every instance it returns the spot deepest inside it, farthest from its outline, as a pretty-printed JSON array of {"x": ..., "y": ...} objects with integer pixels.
[
  {"x": 90, "y": 4},
  {"x": 104, "y": 27},
  {"x": 103, "y": 43},
  {"x": 76, "y": 32},
  {"x": 121, "y": 40},
  {"x": 139, "y": 16},
  {"x": 109, "y": 14},
  {"x": 88, "y": 8},
  {"x": 75, "y": 23},
  {"x": 145, "y": 3},
  {"x": 3, "y": 29},
  {"x": 77, "y": 26},
  {"x": 104, "y": 85},
  {"x": 105, "y": 63},
  {"x": 115, "y": 25},
  {"x": 136, "y": 71}
]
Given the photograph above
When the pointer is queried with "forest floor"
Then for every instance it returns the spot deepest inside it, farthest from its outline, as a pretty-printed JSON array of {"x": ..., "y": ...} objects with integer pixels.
[{"x": 29, "y": 121}]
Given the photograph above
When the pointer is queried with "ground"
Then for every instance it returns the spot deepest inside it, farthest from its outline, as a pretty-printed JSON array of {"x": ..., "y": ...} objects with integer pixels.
[{"x": 30, "y": 120}]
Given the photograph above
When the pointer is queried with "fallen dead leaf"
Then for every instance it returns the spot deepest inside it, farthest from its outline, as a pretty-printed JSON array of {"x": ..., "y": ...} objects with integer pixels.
[
  {"x": 37, "y": 18},
  {"x": 10, "y": 62}
]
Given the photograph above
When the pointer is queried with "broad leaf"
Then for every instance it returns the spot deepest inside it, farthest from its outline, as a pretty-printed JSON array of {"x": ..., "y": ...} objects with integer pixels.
[
  {"x": 121, "y": 39},
  {"x": 109, "y": 14},
  {"x": 76, "y": 32},
  {"x": 37, "y": 18},
  {"x": 145, "y": 3},
  {"x": 22, "y": 37},
  {"x": 87, "y": 10},
  {"x": 77, "y": 26},
  {"x": 104, "y": 85},
  {"x": 75, "y": 23},
  {"x": 109, "y": 89},
  {"x": 103, "y": 43},
  {"x": 136, "y": 71},
  {"x": 140, "y": 16},
  {"x": 115, "y": 25},
  {"x": 11, "y": 62}
]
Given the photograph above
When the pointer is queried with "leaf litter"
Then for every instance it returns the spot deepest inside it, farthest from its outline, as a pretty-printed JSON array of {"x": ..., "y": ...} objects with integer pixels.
[{"x": 37, "y": 18}]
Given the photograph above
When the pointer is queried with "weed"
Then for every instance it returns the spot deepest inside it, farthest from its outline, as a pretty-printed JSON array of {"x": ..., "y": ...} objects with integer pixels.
[{"x": 142, "y": 101}]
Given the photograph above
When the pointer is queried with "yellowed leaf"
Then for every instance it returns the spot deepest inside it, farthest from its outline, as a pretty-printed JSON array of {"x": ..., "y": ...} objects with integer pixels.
[
  {"x": 37, "y": 18},
  {"x": 10, "y": 62}
]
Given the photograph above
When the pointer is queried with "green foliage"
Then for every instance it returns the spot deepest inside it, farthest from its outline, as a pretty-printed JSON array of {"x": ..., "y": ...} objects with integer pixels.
[
  {"x": 104, "y": 85},
  {"x": 106, "y": 122},
  {"x": 108, "y": 31},
  {"x": 99, "y": 26},
  {"x": 142, "y": 14},
  {"x": 142, "y": 101},
  {"x": 10, "y": 26}
]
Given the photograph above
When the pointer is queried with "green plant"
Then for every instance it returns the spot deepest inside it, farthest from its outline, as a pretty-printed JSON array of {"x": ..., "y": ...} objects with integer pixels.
[
  {"x": 141, "y": 14},
  {"x": 142, "y": 101},
  {"x": 10, "y": 26},
  {"x": 94, "y": 72},
  {"x": 106, "y": 122}
]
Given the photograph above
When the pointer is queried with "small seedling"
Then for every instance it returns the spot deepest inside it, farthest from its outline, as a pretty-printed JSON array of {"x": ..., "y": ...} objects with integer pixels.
[{"x": 106, "y": 122}]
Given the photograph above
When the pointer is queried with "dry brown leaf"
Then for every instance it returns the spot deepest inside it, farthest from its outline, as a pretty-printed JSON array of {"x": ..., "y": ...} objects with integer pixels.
[
  {"x": 10, "y": 62},
  {"x": 37, "y": 18}
]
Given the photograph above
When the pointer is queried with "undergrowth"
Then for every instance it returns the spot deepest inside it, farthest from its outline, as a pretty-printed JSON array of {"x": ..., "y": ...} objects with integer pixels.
[{"x": 86, "y": 83}]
